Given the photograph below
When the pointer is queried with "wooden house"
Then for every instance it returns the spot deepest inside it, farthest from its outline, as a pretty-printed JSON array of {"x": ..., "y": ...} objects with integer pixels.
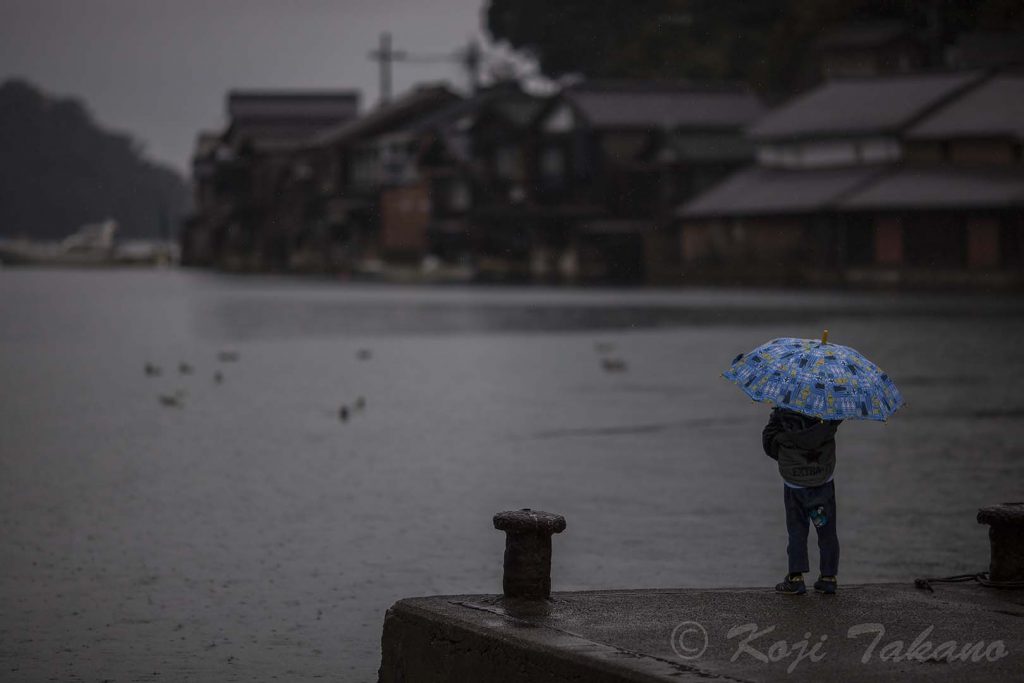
[
  {"x": 369, "y": 198},
  {"x": 244, "y": 174},
  {"x": 609, "y": 162},
  {"x": 912, "y": 179}
]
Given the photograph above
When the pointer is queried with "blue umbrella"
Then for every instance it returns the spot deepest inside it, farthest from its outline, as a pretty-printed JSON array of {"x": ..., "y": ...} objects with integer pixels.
[{"x": 816, "y": 378}]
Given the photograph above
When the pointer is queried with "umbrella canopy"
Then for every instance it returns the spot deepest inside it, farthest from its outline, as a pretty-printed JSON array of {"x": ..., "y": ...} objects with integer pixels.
[{"x": 816, "y": 378}]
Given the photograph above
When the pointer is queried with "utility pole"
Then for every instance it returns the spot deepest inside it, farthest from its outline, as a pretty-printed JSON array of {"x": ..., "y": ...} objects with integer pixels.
[
  {"x": 469, "y": 58},
  {"x": 386, "y": 56}
]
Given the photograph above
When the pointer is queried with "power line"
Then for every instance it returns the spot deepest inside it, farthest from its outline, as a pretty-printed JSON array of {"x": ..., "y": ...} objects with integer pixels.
[{"x": 469, "y": 57}]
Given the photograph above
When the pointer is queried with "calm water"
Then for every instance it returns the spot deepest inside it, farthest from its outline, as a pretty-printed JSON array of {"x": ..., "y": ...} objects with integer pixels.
[{"x": 251, "y": 535}]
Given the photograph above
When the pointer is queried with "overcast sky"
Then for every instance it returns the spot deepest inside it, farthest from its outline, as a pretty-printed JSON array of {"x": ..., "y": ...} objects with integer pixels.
[{"x": 159, "y": 69}]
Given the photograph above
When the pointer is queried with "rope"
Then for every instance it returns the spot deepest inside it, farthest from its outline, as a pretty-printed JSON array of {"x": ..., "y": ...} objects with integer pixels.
[{"x": 980, "y": 577}]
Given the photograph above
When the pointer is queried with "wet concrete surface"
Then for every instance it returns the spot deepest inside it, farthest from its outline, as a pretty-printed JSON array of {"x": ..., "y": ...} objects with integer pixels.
[{"x": 878, "y": 632}]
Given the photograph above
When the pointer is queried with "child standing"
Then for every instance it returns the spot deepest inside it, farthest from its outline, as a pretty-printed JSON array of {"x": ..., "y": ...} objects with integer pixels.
[{"x": 805, "y": 449}]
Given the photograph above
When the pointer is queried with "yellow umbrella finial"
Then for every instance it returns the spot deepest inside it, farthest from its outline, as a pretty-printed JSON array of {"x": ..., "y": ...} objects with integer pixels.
[{"x": 824, "y": 337}]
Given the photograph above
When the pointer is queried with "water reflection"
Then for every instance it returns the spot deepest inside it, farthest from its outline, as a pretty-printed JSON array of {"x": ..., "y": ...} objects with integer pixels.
[{"x": 381, "y": 312}]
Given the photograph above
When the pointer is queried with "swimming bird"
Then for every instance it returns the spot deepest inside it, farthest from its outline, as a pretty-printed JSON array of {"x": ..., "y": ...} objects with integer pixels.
[
  {"x": 364, "y": 354},
  {"x": 218, "y": 377},
  {"x": 613, "y": 364},
  {"x": 360, "y": 403},
  {"x": 151, "y": 370},
  {"x": 343, "y": 414},
  {"x": 227, "y": 356},
  {"x": 174, "y": 400},
  {"x": 184, "y": 368}
]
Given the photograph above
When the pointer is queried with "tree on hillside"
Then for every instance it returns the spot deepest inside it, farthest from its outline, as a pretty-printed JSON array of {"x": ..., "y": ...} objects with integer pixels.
[
  {"x": 765, "y": 43},
  {"x": 59, "y": 170}
]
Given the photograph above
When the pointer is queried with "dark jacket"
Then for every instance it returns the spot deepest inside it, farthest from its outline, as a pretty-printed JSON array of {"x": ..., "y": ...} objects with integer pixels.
[{"x": 805, "y": 447}]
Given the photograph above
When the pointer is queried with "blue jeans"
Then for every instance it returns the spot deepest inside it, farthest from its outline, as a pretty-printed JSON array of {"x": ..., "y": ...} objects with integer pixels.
[{"x": 799, "y": 503}]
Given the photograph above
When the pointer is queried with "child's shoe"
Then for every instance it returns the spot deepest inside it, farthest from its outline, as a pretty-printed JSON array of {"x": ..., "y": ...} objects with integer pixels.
[
  {"x": 826, "y": 584},
  {"x": 793, "y": 584}
]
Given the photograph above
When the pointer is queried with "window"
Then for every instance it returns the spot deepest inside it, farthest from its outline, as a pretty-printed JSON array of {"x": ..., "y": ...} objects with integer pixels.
[
  {"x": 1011, "y": 241},
  {"x": 783, "y": 156},
  {"x": 552, "y": 164},
  {"x": 936, "y": 241},
  {"x": 878, "y": 151},
  {"x": 507, "y": 163},
  {"x": 827, "y": 153},
  {"x": 561, "y": 121},
  {"x": 857, "y": 240},
  {"x": 458, "y": 196}
]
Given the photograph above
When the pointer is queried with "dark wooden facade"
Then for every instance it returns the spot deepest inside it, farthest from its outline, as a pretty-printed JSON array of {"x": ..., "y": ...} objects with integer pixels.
[{"x": 940, "y": 204}]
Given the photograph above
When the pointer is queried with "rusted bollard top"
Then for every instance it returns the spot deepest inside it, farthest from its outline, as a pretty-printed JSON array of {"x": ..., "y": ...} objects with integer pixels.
[
  {"x": 1002, "y": 514},
  {"x": 1006, "y": 542},
  {"x": 527, "y": 521},
  {"x": 528, "y": 551}
]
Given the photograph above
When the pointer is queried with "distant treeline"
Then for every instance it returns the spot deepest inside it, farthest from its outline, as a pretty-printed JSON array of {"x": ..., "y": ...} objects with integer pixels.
[
  {"x": 764, "y": 43},
  {"x": 59, "y": 169}
]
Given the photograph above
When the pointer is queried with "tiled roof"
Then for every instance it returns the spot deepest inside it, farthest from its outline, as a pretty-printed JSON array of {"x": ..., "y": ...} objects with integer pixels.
[
  {"x": 278, "y": 120},
  {"x": 994, "y": 108},
  {"x": 940, "y": 188},
  {"x": 652, "y": 105},
  {"x": 757, "y": 191},
  {"x": 270, "y": 137},
  {"x": 861, "y": 106},
  {"x": 762, "y": 191},
  {"x": 332, "y": 107},
  {"x": 446, "y": 116},
  {"x": 514, "y": 106},
  {"x": 391, "y": 116}
]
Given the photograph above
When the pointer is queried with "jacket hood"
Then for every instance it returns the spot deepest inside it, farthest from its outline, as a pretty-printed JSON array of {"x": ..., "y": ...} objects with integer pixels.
[
  {"x": 810, "y": 438},
  {"x": 805, "y": 432}
]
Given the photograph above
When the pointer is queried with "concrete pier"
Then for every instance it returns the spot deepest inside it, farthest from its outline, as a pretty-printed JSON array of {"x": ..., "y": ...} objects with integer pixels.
[
  {"x": 876, "y": 632},
  {"x": 961, "y": 628}
]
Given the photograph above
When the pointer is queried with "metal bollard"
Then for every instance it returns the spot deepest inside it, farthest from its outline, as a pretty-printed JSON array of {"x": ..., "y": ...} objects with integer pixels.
[
  {"x": 1006, "y": 538},
  {"x": 528, "y": 551}
]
